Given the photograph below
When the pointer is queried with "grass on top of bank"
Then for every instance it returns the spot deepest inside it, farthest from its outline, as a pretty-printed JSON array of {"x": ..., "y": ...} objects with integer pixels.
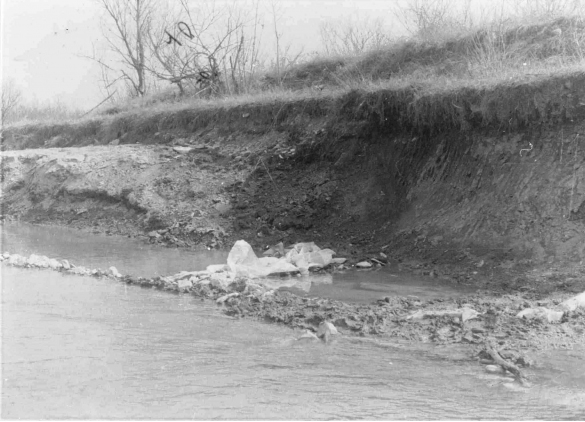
[
  {"x": 485, "y": 57},
  {"x": 505, "y": 76}
]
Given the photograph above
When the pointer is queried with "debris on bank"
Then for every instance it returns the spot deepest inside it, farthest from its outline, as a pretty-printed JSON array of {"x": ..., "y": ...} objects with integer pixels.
[
  {"x": 301, "y": 258},
  {"x": 247, "y": 287}
]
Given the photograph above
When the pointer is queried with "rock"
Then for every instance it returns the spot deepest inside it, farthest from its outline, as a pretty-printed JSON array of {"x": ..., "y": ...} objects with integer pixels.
[
  {"x": 220, "y": 281},
  {"x": 541, "y": 313},
  {"x": 180, "y": 276},
  {"x": 494, "y": 369},
  {"x": 226, "y": 297},
  {"x": 308, "y": 336},
  {"x": 241, "y": 254},
  {"x": 114, "y": 142},
  {"x": 326, "y": 329},
  {"x": 184, "y": 284},
  {"x": 80, "y": 270},
  {"x": 216, "y": 268},
  {"x": 321, "y": 258},
  {"x": 266, "y": 261},
  {"x": 54, "y": 264},
  {"x": 524, "y": 361},
  {"x": 254, "y": 289},
  {"x": 182, "y": 150},
  {"x": 154, "y": 234},
  {"x": 114, "y": 272},
  {"x": 468, "y": 313},
  {"x": 66, "y": 264},
  {"x": 293, "y": 256},
  {"x": 338, "y": 260},
  {"x": 223, "y": 209},
  {"x": 363, "y": 264},
  {"x": 574, "y": 302},
  {"x": 201, "y": 281},
  {"x": 276, "y": 250},
  {"x": 281, "y": 267},
  {"x": 17, "y": 260},
  {"x": 243, "y": 263},
  {"x": 420, "y": 314},
  {"x": 465, "y": 314},
  {"x": 38, "y": 261},
  {"x": 279, "y": 248},
  {"x": 303, "y": 284},
  {"x": 269, "y": 252},
  {"x": 306, "y": 247}
]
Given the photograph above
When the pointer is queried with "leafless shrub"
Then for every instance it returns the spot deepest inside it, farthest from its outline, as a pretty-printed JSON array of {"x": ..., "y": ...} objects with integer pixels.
[
  {"x": 435, "y": 20},
  {"x": 351, "y": 37},
  {"x": 125, "y": 30},
  {"x": 11, "y": 96}
]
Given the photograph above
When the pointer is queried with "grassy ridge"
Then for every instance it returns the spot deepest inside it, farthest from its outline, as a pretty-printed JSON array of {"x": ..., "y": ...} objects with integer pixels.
[
  {"x": 487, "y": 53},
  {"x": 544, "y": 100},
  {"x": 507, "y": 80}
]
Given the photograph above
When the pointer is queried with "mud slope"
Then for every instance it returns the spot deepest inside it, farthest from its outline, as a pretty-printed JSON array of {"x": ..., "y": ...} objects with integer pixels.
[{"x": 493, "y": 174}]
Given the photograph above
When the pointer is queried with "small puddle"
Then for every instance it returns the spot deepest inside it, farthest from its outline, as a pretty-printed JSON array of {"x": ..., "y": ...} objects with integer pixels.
[
  {"x": 134, "y": 257},
  {"x": 364, "y": 286},
  {"x": 129, "y": 256}
]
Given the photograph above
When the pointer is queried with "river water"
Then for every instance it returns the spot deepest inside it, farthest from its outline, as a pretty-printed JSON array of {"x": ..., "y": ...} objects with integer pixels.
[{"x": 80, "y": 347}]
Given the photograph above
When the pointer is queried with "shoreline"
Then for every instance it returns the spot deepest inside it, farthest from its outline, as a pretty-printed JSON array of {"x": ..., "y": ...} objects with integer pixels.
[{"x": 480, "y": 321}]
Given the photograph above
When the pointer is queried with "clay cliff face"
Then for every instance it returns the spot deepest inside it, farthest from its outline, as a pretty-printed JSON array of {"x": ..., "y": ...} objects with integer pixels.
[{"x": 495, "y": 172}]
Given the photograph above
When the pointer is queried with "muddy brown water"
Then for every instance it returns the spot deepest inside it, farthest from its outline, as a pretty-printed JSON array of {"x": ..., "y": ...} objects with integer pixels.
[{"x": 80, "y": 347}]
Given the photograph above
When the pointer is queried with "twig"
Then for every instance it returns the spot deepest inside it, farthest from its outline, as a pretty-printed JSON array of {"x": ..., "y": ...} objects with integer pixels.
[
  {"x": 574, "y": 176},
  {"x": 562, "y": 140},
  {"x": 493, "y": 352},
  {"x": 268, "y": 171},
  {"x": 109, "y": 96}
]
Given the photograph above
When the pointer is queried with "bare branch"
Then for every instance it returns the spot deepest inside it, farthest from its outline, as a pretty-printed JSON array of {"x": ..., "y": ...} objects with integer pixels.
[{"x": 11, "y": 97}]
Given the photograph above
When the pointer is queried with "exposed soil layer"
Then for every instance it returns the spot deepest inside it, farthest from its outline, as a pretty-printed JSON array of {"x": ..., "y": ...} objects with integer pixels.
[
  {"x": 353, "y": 172},
  {"x": 484, "y": 187}
]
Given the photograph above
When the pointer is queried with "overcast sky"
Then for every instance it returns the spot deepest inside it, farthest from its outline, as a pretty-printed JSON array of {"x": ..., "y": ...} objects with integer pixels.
[{"x": 43, "y": 41}]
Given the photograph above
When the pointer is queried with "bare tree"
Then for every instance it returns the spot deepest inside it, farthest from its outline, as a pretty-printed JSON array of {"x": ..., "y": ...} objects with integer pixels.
[
  {"x": 184, "y": 49},
  {"x": 11, "y": 96},
  {"x": 546, "y": 8},
  {"x": 435, "y": 19},
  {"x": 276, "y": 16},
  {"x": 126, "y": 35},
  {"x": 353, "y": 36},
  {"x": 207, "y": 47},
  {"x": 284, "y": 60}
]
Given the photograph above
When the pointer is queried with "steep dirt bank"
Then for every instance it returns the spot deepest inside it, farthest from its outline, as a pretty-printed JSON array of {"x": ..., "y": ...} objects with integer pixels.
[{"x": 489, "y": 177}]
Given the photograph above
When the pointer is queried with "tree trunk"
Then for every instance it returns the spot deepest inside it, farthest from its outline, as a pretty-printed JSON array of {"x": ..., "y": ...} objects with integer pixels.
[{"x": 140, "y": 50}]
